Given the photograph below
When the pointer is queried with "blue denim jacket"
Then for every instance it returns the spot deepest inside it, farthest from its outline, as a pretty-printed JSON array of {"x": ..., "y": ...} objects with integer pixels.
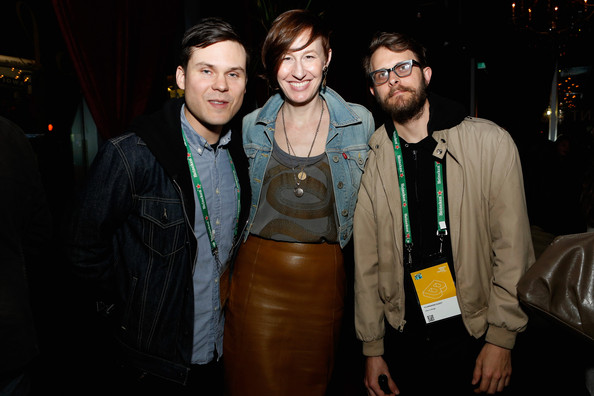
[{"x": 351, "y": 126}]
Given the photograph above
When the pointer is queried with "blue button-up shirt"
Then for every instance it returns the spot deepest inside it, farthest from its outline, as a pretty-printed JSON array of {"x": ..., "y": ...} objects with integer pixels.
[{"x": 219, "y": 187}]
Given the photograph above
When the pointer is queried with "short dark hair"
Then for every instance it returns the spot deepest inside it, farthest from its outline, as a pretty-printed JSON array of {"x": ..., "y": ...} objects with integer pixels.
[
  {"x": 397, "y": 42},
  {"x": 284, "y": 30},
  {"x": 206, "y": 32}
]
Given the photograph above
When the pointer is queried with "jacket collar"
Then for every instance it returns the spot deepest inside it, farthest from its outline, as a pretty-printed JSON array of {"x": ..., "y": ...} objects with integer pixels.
[
  {"x": 341, "y": 114},
  {"x": 443, "y": 115},
  {"x": 161, "y": 132}
]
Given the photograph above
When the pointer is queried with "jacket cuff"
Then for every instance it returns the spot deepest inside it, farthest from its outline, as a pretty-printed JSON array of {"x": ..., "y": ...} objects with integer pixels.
[
  {"x": 373, "y": 348},
  {"x": 501, "y": 337}
]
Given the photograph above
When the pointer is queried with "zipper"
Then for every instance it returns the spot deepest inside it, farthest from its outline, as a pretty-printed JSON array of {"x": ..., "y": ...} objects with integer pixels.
[{"x": 416, "y": 162}]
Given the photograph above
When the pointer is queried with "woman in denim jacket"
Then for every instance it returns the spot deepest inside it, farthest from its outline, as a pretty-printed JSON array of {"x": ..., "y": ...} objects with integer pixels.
[{"x": 307, "y": 149}]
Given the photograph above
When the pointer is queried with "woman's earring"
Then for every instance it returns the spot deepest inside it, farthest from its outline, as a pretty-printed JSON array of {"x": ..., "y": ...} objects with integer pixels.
[{"x": 324, "y": 75}]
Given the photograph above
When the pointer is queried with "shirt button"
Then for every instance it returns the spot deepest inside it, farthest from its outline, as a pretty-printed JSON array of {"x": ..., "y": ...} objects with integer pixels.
[{"x": 217, "y": 191}]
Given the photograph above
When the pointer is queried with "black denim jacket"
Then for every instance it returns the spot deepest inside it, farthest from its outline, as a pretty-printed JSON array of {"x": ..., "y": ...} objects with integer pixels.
[{"x": 133, "y": 235}]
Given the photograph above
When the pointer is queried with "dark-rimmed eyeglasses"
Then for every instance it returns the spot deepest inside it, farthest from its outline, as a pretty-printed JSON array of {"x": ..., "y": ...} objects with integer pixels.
[{"x": 401, "y": 69}]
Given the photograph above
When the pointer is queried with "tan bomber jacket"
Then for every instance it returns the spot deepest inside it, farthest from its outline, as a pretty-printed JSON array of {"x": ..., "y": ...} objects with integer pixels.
[{"x": 488, "y": 224}]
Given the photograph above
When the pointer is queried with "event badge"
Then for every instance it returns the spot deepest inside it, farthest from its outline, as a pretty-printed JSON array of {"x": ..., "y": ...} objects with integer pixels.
[{"x": 436, "y": 292}]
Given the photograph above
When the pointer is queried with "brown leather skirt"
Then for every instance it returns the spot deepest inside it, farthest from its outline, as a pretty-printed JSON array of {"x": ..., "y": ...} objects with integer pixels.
[{"x": 283, "y": 318}]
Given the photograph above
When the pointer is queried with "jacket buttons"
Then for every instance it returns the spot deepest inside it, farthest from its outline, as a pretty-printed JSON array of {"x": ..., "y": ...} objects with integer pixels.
[
  {"x": 439, "y": 151},
  {"x": 335, "y": 158},
  {"x": 345, "y": 212},
  {"x": 340, "y": 184}
]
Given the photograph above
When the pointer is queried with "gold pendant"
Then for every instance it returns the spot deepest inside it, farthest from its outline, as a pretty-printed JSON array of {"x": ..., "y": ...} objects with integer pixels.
[{"x": 302, "y": 175}]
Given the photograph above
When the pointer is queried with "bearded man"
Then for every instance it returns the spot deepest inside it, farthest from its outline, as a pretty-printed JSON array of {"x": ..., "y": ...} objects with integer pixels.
[{"x": 441, "y": 238}]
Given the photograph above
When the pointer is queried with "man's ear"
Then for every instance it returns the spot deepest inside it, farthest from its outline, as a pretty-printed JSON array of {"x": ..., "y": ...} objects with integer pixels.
[
  {"x": 180, "y": 77},
  {"x": 427, "y": 73}
]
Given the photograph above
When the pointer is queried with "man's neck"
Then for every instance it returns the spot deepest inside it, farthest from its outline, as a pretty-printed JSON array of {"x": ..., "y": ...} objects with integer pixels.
[
  {"x": 211, "y": 134},
  {"x": 415, "y": 130}
]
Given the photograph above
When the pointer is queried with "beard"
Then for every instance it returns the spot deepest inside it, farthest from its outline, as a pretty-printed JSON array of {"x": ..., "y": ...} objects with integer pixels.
[{"x": 404, "y": 110}]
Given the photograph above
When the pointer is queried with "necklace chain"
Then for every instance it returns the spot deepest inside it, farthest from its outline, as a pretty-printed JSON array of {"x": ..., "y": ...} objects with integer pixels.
[{"x": 298, "y": 190}]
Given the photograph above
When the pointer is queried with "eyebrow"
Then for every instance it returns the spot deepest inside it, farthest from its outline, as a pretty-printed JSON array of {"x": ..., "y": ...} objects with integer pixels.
[
  {"x": 300, "y": 49},
  {"x": 234, "y": 68}
]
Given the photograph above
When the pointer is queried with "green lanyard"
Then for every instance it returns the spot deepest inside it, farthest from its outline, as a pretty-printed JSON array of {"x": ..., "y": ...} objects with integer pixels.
[
  {"x": 439, "y": 194},
  {"x": 202, "y": 198}
]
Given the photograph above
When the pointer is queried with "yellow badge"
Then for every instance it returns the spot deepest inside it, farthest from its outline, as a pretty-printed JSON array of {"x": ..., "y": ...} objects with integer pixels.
[{"x": 436, "y": 292}]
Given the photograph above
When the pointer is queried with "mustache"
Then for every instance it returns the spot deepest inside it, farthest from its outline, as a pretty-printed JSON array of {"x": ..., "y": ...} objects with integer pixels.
[{"x": 400, "y": 89}]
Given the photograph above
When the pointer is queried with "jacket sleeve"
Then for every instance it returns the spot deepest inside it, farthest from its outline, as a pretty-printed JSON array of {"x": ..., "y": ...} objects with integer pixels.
[
  {"x": 102, "y": 206},
  {"x": 369, "y": 308},
  {"x": 511, "y": 244}
]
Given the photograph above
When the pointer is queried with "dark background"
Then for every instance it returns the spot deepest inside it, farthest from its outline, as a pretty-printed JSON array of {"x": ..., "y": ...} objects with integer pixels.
[{"x": 121, "y": 57}]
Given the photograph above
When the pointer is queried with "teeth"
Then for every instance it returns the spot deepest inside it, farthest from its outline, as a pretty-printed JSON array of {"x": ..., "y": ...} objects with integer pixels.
[{"x": 299, "y": 84}]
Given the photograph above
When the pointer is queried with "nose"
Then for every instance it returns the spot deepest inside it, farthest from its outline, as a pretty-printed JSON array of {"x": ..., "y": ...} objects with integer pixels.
[
  {"x": 220, "y": 83},
  {"x": 393, "y": 77},
  {"x": 298, "y": 70}
]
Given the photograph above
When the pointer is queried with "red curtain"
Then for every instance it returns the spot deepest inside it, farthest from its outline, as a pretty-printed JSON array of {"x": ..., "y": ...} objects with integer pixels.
[{"x": 122, "y": 51}]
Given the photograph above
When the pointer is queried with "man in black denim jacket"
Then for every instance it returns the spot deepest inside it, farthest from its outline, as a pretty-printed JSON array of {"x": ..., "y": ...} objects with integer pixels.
[{"x": 137, "y": 232}]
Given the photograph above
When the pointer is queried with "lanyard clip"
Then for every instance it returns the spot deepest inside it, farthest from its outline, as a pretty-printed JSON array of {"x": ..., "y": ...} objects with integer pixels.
[
  {"x": 409, "y": 250},
  {"x": 441, "y": 234}
]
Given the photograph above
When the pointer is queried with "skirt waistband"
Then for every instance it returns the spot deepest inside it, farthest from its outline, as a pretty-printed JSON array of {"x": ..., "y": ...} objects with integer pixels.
[{"x": 296, "y": 248}]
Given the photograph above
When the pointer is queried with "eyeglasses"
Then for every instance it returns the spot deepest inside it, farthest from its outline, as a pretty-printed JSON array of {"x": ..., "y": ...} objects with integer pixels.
[{"x": 401, "y": 69}]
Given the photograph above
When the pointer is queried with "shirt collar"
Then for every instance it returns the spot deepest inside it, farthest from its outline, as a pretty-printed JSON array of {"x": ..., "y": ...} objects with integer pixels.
[
  {"x": 428, "y": 143},
  {"x": 197, "y": 141}
]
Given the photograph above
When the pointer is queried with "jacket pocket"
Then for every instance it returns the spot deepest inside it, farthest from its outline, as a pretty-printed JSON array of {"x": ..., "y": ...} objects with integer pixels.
[
  {"x": 162, "y": 225},
  {"x": 356, "y": 158}
]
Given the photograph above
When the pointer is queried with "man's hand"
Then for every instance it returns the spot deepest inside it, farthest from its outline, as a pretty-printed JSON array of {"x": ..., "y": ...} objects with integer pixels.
[
  {"x": 374, "y": 367},
  {"x": 493, "y": 369}
]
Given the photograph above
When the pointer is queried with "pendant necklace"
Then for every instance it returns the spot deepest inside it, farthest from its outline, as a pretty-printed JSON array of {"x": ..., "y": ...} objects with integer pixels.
[{"x": 301, "y": 175}]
